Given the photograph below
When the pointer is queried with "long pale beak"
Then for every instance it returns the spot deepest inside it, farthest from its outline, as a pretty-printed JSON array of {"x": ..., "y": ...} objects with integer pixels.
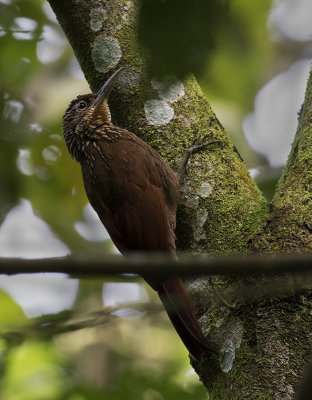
[{"x": 105, "y": 90}]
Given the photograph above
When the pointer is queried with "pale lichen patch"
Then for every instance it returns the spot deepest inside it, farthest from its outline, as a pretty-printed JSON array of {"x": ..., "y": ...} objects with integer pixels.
[
  {"x": 106, "y": 53},
  {"x": 128, "y": 80},
  {"x": 97, "y": 18},
  {"x": 227, "y": 356},
  {"x": 125, "y": 11},
  {"x": 190, "y": 199},
  {"x": 204, "y": 190},
  {"x": 198, "y": 228},
  {"x": 169, "y": 88},
  {"x": 158, "y": 112},
  {"x": 230, "y": 335}
]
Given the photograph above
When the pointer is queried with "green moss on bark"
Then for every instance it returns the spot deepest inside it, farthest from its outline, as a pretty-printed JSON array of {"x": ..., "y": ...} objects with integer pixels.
[
  {"x": 221, "y": 210},
  {"x": 289, "y": 226},
  {"x": 271, "y": 358}
]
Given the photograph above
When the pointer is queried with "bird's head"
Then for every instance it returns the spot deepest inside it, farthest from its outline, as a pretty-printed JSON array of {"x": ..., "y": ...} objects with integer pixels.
[{"x": 85, "y": 114}]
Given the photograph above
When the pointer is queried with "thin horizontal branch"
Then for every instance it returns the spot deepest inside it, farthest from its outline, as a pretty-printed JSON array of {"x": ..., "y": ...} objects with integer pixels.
[
  {"x": 157, "y": 265},
  {"x": 100, "y": 316},
  {"x": 68, "y": 321}
]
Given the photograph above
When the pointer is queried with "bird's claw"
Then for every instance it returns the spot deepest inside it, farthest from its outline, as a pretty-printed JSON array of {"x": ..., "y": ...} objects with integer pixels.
[{"x": 196, "y": 146}]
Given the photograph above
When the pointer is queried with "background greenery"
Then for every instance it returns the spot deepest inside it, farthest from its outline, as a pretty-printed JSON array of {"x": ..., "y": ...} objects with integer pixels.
[{"x": 48, "y": 357}]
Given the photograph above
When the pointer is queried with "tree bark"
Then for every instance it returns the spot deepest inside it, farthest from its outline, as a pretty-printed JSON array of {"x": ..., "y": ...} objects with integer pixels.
[
  {"x": 288, "y": 228},
  {"x": 263, "y": 343}
]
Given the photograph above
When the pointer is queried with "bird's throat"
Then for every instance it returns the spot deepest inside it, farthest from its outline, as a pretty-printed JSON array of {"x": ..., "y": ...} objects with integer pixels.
[{"x": 101, "y": 115}]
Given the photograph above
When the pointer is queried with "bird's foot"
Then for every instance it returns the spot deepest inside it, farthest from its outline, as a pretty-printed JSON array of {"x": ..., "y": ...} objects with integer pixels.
[
  {"x": 197, "y": 145},
  {"x": 225, "y": 303}
]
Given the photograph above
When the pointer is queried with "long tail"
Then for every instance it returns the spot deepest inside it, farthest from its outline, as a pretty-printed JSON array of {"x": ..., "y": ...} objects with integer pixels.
[{"x": 181, "y": 312}]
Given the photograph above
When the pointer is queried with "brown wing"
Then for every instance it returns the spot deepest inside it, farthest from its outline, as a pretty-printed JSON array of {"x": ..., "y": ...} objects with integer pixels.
[
  {"x": 127, "y": 193},
  {"x": 135, "y": 195}
]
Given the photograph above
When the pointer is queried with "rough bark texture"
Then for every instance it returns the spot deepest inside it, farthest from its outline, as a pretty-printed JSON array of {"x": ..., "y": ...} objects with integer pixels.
[
  {"x": 264, "y": 343},
  {"x": 289, "y": 226},
  {"x": 221, "y": 207},
  {"x": 270, "y": 336}
]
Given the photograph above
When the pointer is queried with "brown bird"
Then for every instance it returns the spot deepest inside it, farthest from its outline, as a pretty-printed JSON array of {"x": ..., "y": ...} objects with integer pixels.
[{"x": 135, "y": 194}]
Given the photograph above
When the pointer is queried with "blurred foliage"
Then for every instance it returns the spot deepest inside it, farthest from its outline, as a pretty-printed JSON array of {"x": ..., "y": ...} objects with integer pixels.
[
  {"x": 18, "y": 64},
  {"x": 226, "y": 44},
  {"x": 81, "y": 355},
  {"x": 11, "y": 315},
  {"x": 180, "y": 34},
  {"x": 242, "y": 62},
  {"x": 235, "y": 71}
]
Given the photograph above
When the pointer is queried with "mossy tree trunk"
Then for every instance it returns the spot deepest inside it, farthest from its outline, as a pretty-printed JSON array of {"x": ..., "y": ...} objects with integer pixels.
[{"x": 264, "y": 344}]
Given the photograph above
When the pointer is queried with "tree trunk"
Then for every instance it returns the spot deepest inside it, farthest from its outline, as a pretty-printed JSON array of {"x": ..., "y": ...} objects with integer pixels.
[{"x": 263, "y": 343}]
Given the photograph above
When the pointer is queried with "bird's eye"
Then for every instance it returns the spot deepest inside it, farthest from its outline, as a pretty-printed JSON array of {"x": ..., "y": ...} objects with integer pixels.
[{"x": 82, "y": 105}]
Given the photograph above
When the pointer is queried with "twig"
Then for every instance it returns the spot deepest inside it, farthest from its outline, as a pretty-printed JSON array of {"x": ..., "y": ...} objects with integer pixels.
[{"x": 156, "y": 265}]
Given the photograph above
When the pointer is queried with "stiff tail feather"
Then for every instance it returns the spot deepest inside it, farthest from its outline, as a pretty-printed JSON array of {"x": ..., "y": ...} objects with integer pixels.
[{"x": 181, "y": 312}]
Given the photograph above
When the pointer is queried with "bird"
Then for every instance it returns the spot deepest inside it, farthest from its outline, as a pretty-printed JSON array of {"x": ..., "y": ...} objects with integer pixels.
[{"x": 135, "y": 194}]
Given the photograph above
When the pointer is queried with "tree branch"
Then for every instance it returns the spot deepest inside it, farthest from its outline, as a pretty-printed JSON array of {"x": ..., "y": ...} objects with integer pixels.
[
  {"x": 218, "y": 195},
  {"x": 221, "y": 208},
  {"x": 289, "y": 225},
  {"x": 88, "y": 266}
]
